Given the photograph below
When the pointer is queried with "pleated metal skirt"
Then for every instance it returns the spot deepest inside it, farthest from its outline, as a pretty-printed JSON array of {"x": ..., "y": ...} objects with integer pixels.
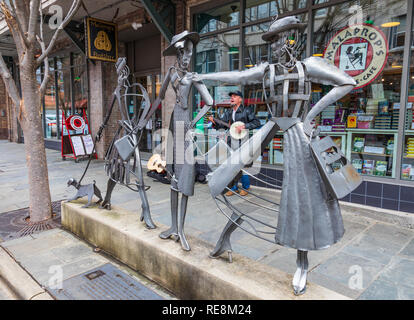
[
  {"x": 116, "y": 168},
  {"x": 309, "y": 218}
]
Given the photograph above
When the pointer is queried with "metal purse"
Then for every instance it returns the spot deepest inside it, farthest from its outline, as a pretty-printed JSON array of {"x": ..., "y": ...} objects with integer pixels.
[
  {"x": 125, "y": 147},
  {"x": 339, "y": 175}
]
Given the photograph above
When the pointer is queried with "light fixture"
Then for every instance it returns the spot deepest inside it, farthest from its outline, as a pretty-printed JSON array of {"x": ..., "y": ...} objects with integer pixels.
[
  {"x": 136, "y": 25},
  {"x": 396, "y": 66},
  {"x": 318, "y": 54},
  {"x": 249, "y": 65},
  {"x": 390, "y": 24}
]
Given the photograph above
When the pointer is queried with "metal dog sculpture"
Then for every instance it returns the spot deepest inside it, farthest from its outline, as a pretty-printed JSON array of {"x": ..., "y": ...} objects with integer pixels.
[{"x": 86, "y": 190}]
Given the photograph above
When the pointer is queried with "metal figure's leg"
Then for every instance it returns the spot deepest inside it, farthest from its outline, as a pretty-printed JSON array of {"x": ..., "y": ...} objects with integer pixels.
[
  {"x": 106, "y": 204},
  {"x": 145, "y": 213},
  {"x": 173, "y": 230},
  {"x": 183, "y": 211},
  {"x": 223, "y": 244},
  {"x": 98, "y": 193},
  {"x": 299, "y": 279},
  {"x": 89, "y": 201}
]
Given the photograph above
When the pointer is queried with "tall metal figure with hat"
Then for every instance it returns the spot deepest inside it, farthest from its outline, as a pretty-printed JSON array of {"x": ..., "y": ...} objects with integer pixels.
[
  {"x": 180, "y": 157},
  {"x": 316, "y": 173}
]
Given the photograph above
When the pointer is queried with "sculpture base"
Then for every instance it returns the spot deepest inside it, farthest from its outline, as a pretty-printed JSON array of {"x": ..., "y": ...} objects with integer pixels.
[{"x": 189, "y": 275}]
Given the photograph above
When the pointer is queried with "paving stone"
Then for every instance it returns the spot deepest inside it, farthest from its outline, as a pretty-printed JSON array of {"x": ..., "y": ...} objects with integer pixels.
[
  {"x": 339, "y": 268},
  {"x": 373, "y": 248},
  {"x": 72, "y": 252},
  {"x": 380, "y": 290},
  {"x": 399, "y": 272},
  {"x": 333, "y": 285},
  {"x": 409, "y": 249},
  {"x": 386, "y": 232}
]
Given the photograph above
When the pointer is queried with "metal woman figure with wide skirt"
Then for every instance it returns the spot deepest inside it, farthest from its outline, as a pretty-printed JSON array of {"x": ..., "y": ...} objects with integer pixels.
[{"x": 309, "y": 214}]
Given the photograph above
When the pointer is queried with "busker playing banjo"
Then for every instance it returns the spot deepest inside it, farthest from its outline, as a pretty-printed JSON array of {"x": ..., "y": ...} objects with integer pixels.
[{"x": 243, "y": 119}]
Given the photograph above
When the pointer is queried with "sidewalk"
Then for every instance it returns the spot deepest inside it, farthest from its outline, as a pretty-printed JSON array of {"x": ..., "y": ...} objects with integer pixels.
[{"x": 374, "y": 260}]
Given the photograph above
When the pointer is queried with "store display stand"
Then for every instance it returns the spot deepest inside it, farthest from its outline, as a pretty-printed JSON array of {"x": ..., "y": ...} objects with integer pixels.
[{"x": 76, "y": 144}]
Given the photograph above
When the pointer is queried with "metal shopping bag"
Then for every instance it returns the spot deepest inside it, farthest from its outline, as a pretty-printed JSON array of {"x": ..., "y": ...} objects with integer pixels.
[{"x": 339, "y": 175}]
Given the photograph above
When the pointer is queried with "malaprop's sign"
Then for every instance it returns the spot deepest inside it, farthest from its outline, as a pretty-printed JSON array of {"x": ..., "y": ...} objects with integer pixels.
[
  {"x": 359, "y": 50},
  {"x": 102, "y": 40}
]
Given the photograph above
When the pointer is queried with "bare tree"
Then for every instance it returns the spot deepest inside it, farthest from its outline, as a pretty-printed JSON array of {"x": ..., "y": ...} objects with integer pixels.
[{"x": 25, "y": 22}]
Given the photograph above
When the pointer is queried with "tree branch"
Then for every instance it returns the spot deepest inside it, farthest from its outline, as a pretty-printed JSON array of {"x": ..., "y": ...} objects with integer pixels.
[
  {"x": 43, "y": 47},
  {"x": 71, "y": 13},
  {"x": 33, "y": 21},
  {"x": 9, "y": 83},
  {"x": 18, "y": 24},
  {"x": 13, "y": 24},
  {"x": 21, "y": 9}
]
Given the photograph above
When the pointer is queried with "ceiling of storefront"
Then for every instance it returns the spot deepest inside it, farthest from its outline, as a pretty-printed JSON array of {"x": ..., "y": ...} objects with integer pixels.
[{"x": 103, "y": 9}]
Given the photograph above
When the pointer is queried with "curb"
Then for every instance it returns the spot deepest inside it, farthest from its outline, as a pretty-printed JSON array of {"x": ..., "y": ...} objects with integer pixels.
[
  {"x": 189, "y": 275},
  {"x": 19, "y": 281}
]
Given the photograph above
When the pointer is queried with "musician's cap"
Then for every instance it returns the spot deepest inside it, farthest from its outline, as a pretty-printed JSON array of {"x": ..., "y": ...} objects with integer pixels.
[
  {"x": 280, "y": 25},
  {"x": 237, "y": 93},
  {"x": 193, "y": 36}
]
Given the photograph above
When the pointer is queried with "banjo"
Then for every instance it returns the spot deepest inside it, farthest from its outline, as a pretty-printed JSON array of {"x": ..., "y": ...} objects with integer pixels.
[{"x": 232, "y": 128}]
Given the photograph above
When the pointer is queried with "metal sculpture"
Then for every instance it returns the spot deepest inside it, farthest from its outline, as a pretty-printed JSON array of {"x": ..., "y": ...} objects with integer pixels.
[
  {"x": 180, "y": 160},
  {"x": 88, "y": 190},
  {"x": 124, "y": 147},
  {"x": 309, "y": 213}
]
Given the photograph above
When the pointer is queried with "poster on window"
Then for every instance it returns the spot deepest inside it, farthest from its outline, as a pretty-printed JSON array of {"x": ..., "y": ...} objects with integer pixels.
[
  {"x": 221, "y": 94},
  {"x": 359, "y": 50}
]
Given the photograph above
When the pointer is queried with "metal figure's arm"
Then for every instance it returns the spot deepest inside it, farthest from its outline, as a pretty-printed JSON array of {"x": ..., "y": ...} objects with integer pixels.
[
  {"x": 320, "y": 71},
  {"x": 147, "y": 115},
  {"x": 206, "y": 97},
  {"x": 250, "y": 76}
]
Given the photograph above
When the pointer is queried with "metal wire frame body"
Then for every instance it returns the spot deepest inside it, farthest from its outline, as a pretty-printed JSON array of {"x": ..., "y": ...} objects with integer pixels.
[{"x": 225, "y": 201}]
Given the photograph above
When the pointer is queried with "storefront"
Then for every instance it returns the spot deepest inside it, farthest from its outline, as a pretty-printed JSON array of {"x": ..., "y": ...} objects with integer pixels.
[
  {"x": 370, "y": 40},
  {"x": 66, "y": 93}
]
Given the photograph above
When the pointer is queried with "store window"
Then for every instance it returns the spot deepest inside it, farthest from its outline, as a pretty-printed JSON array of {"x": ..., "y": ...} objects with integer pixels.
[
  {"x": 80, "y": 82},
  {"x": 218, "y": 18},
  {"x": 66, "y": 93},
  {"x": 218, "y": 53},
  {"x": 51, "y": 121},
  {"x": 366, "y": 40},
  {"x": 257, "y": 10},
  {"x": 407, "y": 164}
]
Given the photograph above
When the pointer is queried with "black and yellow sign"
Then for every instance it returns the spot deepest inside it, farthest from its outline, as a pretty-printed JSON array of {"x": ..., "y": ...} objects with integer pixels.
[{"x": 102, "y": 40}]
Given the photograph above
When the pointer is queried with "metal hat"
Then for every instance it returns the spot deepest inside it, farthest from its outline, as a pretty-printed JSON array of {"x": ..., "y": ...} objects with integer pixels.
[
  {"x": 171, "y": 51},
  {"x": 237, "y": 93},
  {"x": 281, "y": 25}
]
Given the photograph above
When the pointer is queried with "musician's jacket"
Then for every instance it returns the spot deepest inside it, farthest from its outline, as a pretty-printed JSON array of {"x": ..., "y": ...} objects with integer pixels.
[{"x": 243, "y": 114}]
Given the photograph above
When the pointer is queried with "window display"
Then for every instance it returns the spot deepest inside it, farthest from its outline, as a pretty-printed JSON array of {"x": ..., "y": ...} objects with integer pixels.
[{"x": 364, "y": 38}]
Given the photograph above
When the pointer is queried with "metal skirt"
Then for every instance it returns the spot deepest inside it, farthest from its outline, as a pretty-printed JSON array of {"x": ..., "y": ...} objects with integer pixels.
[
  {"x": 115, "y": 168},
  {"x": 180, "y": 162},
  {"x": 309, "y": 218}
]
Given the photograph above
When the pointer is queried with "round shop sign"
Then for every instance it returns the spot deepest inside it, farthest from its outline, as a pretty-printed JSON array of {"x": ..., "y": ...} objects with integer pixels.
[{"x": 359, "y": 50}]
